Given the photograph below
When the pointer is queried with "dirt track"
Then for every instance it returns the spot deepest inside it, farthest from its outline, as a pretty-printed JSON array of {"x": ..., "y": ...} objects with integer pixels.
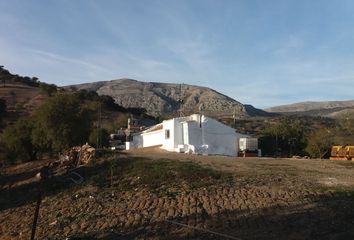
[{"x": 268, "y": 199}]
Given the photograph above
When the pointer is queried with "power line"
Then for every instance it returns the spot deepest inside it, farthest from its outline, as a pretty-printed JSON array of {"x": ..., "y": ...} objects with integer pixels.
[{"x": 203, "y": 230}]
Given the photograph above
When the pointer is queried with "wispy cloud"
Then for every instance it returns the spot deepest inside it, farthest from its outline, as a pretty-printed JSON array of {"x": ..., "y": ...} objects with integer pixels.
[
  {"x": 259, "y": 55},
  {"x": 291, "y": 46}
]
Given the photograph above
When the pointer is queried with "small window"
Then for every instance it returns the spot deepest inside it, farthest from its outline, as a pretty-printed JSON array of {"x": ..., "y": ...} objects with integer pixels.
[{"x": 167, "y": 134}]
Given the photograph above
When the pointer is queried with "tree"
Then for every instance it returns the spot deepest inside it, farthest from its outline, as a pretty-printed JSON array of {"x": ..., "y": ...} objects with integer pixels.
[
  {"x": 48, "y": 89},
  {"x": 101, "y": 136},
  {"x": 40, "y": 140},
  {"x": 64, "y": 123},
  {"x": 2, "y": 107},
  {"x": 17, "y": 142},
  {"x": 109, "y": 103},
  {"x": 345, "y": 130},
  {"x": 121, "y": 121},
  {"x": 286, "y": 137},
  {"x": 58, "y": 124},
  {"x": 319, "y": 142}
]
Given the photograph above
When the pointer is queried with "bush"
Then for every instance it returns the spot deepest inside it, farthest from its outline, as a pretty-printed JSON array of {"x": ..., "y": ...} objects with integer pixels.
[
  {"x": 103, "y": 139},
  {"x": 63, "y": 122},
  {"x": 2, "y": 107},
  {"x": 58, "y": 124},
  {"x": 17, "y": 142},
  {"x": 48, "y": 89},
  {"x": 319, "y": 143},
  {"x": 286, "y": 137}
]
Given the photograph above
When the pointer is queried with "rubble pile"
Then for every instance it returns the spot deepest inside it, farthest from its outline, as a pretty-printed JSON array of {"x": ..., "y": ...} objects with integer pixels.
[
  {"x": 80, "y": 154},
  {"x": 75, "y": 156},
  {"x": 86, "y": 154}
]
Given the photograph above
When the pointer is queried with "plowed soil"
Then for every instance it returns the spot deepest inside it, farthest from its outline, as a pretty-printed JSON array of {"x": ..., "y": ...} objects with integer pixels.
[{"x": 146, "y": 194}]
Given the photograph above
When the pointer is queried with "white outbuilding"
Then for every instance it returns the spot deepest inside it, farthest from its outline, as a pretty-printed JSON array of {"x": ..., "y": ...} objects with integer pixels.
[{"x": 192, "y": 134}]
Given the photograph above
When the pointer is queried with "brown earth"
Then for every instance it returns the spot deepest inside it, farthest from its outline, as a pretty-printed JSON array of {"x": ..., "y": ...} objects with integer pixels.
[
  {"x": 21, "y": 100},
  {"x": 265, "y": 199}
]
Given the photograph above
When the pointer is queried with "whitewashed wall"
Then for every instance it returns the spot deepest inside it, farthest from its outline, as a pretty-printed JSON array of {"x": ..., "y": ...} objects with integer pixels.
[
  {"x": 194, "y": 134},
  {"x": 219, "y": 138},
  {"x": 205, "y": 135},
  {"x": 168, "y": 144},
  {"x": 178, "y": 129},
  {"x": 150, "y": 139},
  {"x": 154, "y": 138}
]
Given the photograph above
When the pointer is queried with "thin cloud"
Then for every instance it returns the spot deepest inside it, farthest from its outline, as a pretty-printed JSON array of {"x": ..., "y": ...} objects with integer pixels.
[{"x": 262, "y": 58}]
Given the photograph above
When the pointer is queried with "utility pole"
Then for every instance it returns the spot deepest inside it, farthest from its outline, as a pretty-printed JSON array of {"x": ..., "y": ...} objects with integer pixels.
[
  {"x": 234, "y": 118},
  {"x": 276, "y": 144},
  {"x": 127, "y": 131},
  {"x": 3, "y": 79},
  {"x": 180, "y": 101},
  {"x": 201, "y": 110},
  {"x": 99, "y": 135}
]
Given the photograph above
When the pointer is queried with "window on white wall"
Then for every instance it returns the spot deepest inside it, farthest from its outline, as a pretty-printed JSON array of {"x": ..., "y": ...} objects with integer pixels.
[{"x": 167, "y": 134}]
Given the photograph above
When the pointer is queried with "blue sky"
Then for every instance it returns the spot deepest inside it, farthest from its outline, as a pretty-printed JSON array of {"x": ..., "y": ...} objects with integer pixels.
[{"x": 260, "y": 52}]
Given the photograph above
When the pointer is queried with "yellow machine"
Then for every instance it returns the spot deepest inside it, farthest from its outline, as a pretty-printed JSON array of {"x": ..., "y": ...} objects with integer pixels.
[{"x": 342, "y": 153}]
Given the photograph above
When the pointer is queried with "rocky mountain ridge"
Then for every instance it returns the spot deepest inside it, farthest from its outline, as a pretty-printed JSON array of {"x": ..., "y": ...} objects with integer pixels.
[
  {"x": 168, "y": 99},
  {"x": 311, "y": 108}
]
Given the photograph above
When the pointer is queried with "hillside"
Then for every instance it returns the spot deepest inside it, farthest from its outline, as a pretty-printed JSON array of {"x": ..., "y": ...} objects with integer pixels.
[
  {"x": 21, "y": 93},
  {"x": 325, "y": 109},
  {"x": 163, "y": 98},
  {"x": 24, "y": 94}
]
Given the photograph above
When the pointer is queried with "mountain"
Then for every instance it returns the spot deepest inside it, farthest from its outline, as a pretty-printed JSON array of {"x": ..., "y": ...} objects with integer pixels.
[
  {"x": 163, "y": 98},
  {"x": 325, "y": 109}
]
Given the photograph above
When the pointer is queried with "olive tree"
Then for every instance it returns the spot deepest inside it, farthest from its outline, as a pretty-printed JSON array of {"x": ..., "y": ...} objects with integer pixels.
[
  {"x": 2, "y": 107},
  {"x": 61, "y": 123},
  {"x": 17, "y": 141},
  {"x": 319, "y": 142}
]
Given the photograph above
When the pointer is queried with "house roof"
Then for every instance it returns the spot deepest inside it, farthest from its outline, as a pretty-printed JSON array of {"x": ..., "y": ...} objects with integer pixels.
[{"x": 154, "y": 128}]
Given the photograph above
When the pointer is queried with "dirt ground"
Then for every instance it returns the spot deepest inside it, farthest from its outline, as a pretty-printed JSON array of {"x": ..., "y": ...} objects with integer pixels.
[
  {"x": 266, "y": 199},
  {"x": 329, "y": 173}
]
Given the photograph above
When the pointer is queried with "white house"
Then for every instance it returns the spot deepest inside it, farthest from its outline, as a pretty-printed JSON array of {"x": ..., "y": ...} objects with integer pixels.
[{"x": 192, "y": 134}]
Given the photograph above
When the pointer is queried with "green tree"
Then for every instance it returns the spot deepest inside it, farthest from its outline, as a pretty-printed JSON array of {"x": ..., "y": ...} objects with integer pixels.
[
  {"x": 286, "y": 137},
  {"x": 40, "y": 140},
  {"x": 17, "y": 141},
  {"x": 345, "y": 130},
  {"x": 2, "y": 107},
  {"x": 320, "y": 142},
  {"x": 63, "y": 123},
  {"x": 121, "y": 121},
  {"x": 48, "y": 89},
  {"x": 102, "y": 136}
]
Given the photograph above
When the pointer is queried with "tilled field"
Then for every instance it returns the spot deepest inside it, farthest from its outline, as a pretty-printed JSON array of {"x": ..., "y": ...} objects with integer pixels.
[{"x": 267, "y": 201}]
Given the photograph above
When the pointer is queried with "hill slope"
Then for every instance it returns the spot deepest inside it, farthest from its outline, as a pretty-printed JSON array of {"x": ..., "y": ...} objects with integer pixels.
[
  {"x": 21, "y": 93},
  {"x": 327, "y": 108},
  {"x": 162, "y": 98}
]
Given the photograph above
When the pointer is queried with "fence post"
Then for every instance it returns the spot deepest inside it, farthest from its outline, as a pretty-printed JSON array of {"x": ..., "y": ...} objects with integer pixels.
[{"x": 43, "y": 175}]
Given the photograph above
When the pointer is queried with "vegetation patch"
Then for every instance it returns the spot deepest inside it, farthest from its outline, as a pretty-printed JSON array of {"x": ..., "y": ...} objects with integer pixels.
[{"x": 157, "y": 175}]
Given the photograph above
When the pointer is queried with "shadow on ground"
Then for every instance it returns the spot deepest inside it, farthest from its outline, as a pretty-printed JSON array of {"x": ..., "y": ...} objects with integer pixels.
[
  {"x": 325, "y": 216},
  {"x": 16, "y": 196}
]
